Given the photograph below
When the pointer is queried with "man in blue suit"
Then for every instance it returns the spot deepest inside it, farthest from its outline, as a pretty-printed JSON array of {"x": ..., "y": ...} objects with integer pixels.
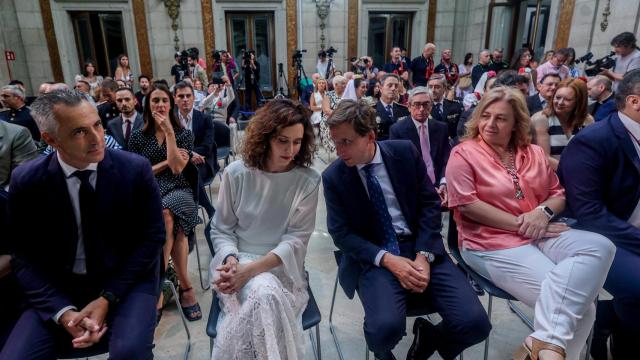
[
  {"x": 600, "y": 169},
  {"x": 88, "y": 261},
  {"x": 122, "y": 126},
  {"x": 427, "y": 135},
  {"x": 384, "y": 214},
  {"x": 204, "y": 157},
  {"x": 604, "y": 101}
]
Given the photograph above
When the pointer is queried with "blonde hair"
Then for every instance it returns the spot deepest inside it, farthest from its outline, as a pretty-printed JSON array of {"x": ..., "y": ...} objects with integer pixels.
[{"x": 521, "y": 129}]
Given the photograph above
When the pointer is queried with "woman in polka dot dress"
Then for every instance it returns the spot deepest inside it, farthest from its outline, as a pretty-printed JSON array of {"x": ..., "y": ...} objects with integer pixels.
[{"x": 168, "y": 146}]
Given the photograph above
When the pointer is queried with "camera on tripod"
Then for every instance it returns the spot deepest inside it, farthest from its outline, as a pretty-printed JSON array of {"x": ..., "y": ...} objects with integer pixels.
[
  {"x": 297, "y": 57},
  {"x": 593, "y": 68},
  {"x": 330, "y": 51}
]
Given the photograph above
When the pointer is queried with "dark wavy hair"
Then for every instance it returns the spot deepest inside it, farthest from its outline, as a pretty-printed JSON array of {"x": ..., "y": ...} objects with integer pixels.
[
  {"x": 267, "y": 124},
  {"x": 515, "y": 59},
  {"x": 149, "y": 124},
  {"x": 85, "y": 73}
]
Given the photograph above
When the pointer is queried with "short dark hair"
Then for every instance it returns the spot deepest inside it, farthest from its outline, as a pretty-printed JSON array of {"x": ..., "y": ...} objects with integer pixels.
[
  {"x": 358, "y": 114},
  {"x": 551, "y": 74},
  {"x": 84, "y": 82},
  {"x": 629, "y": 85},
  {"x": 384, "y": 77},
  {"x": 143, "y": 76},
  {"x": 109, "y": 84},
  {"x": 468, "y": 56},
  {"x": 16, "y": 82},
  {"x": 149, "y": 123},
  {"x": 161, "y": 82},
  {"x": 182, "y": 85},
  {"x": 566, "y": 52},
  {"x": 510, "y": 78},
  {"x": 126, "y": 88},
  {"x": 625, "y": 39}
]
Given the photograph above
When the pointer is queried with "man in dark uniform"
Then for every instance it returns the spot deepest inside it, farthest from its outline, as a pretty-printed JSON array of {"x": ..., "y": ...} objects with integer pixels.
[
  {"x": 387, "y": 110},
  {"x": 444, "y": 109},
  {"x": 108, "y": 110},
  {"x": 423, "y": 66},
  {"x": 17, "y": 112}
]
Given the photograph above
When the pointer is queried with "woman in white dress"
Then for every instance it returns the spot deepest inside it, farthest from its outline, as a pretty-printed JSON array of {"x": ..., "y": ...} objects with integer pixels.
[
  {"x": 316, "y": 101},
  {"x": 265, "y": 215}
]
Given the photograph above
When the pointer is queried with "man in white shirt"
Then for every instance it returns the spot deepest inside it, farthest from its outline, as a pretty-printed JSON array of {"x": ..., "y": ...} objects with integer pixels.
[{"x": 628, "y": 57}]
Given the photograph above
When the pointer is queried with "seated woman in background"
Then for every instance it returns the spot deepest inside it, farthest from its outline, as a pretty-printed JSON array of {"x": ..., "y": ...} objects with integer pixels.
[
  {"x": 168, "y": 147},
  {"x": 315, "y": 103},
  {"x": 265, "y": 215},
  {"x": 504, "y": 195},
  {"x": 90, "y": 76},
  {"x": 556, "y": 125}
]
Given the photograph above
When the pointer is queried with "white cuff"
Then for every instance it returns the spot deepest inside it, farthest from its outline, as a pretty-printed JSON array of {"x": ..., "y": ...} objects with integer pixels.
[
  {"x": 443, "y": 181},
  {"x": 58, "y": 315},
  {"x": 379, "y": 256}
]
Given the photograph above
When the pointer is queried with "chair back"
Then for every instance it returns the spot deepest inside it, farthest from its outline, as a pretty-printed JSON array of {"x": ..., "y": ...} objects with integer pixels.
[
  {"x": 452, "y": 239},
  {"x": 222, "y": 134},
  {"x": 190, "y": 173}
]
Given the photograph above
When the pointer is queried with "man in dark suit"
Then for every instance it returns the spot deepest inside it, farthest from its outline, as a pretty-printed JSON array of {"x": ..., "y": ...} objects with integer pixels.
[
  {"x": 546, "y": 88},
  {"x": 600, "y": 170},
  {"x": 384, "y": 214},
  {"x": 108, "y": 110},
  {"x": 388, "y": 111},
  {"x": 129, "y": 119},
  {"x": 17, "y": 111},
  {"x": 443, "y": 109},
  {"x": 604, "y": 101},
  {"x": 84, "y": 283},
  {"x": 203, "y": 137},
  {"x": 434, "y": 140}
]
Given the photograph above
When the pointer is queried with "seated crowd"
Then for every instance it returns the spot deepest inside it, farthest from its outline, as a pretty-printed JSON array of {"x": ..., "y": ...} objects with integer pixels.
[{"x": 542, "y": 190}]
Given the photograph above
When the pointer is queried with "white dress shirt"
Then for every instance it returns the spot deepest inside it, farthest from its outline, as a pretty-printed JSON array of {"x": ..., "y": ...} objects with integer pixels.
[
  {"x": 397, "y": 219},
  {"x": 187, "y": 121},
  {"x": 634, "y": 128},
  {"x": 73, "y": 186}
]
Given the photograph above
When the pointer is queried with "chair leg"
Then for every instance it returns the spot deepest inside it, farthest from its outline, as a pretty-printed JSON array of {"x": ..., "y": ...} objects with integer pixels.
[
  {"x": 367, "y": 351},
  {"x": 331, "y": 327},
  {"x": 184, "y": 319},
  {"x": 486, "y": 342},
  {"x": 525, "y": 319},
  {"x": 315, "y": 343},
  {"x": 319, "y": 348},
  {"x": 204, "y": 285},
  {"x": 587, "y": 355}
]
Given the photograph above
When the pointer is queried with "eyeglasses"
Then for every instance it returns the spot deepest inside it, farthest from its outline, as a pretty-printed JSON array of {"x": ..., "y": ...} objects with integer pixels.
[{"x": 423, "y": 105}]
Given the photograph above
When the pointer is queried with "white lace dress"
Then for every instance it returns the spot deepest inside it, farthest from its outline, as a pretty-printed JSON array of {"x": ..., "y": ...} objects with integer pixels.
[{"x": 257, "y": 213}]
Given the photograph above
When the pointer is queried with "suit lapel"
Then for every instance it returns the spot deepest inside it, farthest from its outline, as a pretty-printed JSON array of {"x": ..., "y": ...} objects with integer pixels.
[
  {"x": 67, "y": 220},
  {"x": 116, "y": 128},
  {"x": 411, "y": 133},
  {"x": 433, "y": 137},
  {"x": 138, "y": 122},
  {"x": 382, "y": 112},
  {"x": 625, "y": 140}
]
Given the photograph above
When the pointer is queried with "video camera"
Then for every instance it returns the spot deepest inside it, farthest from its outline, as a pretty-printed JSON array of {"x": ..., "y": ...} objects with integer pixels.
[
  {"x": 297, "y": 57},
  {"x": 593, "y": 68},
  {"x": 246, "y": 55},
  {"x": 184, "y": 58},
  {"x": 330, "y": 51}
]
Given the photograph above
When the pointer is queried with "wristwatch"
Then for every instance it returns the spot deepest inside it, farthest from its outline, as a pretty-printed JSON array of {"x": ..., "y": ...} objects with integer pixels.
[
  {"x": 429, "y": 255},
  {"x": 111, "y": 298},
  {"x": 547, "y": 211}
]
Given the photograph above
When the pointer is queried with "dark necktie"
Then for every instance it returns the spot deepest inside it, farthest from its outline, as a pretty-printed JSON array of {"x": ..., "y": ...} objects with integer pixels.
[
  {"x": 127, "y": 131},
  {"x": 389, "y": 109},
  {"x": 377, "y": 198},
  {"x": 88, "y": 220},
  {"x": 439, "y": 110}
]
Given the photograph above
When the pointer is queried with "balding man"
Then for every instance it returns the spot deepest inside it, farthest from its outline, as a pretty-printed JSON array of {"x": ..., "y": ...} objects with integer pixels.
[
  {"x": 599, "y": 88},
  {"x": 423, "y": 66},
  {"x": 484, "y": 65},
  {"x": 18, "y": 112}
]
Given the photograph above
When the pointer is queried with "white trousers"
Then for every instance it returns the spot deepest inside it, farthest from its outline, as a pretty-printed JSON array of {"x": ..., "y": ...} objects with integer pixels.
[{"x": 559, "y": 277}]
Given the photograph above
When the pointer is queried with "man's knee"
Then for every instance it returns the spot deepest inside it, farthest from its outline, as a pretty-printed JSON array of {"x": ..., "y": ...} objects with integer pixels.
[
  {"x": 383, "y": 332},
  {"x": 473, "y": 326},
  {"x": 130, "y": 347}
]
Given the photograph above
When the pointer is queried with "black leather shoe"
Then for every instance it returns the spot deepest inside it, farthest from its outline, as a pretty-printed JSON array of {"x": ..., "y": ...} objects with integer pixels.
[
  {"x": 424, "y": 344},
  {"x": 388, "y": 356}
]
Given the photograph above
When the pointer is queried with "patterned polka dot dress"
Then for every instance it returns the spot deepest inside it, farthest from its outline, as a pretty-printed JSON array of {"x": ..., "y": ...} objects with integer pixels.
[{"x": 176, "y": 192}]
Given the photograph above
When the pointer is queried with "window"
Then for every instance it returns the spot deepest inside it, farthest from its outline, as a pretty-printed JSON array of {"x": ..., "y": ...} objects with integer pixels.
[{"x": 385, "y": 32}]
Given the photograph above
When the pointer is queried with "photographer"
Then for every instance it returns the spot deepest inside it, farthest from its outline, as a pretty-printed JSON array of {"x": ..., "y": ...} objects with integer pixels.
[
  {"x": 251, "y": 70},
  {"x": 628, "y": 57},
  {"x": 323, "y": 64},
  {"x": 180, "y": 69},
  {"x": 195, "y": 70},
  {"x": 364, "y": 66}
]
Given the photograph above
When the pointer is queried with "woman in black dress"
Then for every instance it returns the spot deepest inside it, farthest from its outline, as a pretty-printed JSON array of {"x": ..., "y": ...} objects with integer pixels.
[{"x": 168, "y": 146}]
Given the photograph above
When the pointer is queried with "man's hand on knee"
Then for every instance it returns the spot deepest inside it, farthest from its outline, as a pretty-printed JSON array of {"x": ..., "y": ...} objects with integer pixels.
[
  {"x": 410, "y": 275},
  {"x": 88, "y": 325}
]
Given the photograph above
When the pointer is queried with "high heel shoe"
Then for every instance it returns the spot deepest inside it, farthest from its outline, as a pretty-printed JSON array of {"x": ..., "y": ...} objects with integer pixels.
[{"x": 538, "y": 345}]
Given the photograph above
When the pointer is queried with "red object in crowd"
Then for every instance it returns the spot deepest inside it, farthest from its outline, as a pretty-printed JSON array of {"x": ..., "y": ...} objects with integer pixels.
[{"x": 219, "y": 104}]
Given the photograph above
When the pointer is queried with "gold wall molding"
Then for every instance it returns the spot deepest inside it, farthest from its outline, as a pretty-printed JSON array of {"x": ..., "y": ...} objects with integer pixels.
[
  {"x": 52, "y": 41},
  {"x": 431, "y": 21},
  {"x": 142, "y": 37},
  {"x": 564, "y": 23},
  {"x": 209, "y": 31},
  {"x": 292, "y": 38},
  {"x": 353, "y": 29}
]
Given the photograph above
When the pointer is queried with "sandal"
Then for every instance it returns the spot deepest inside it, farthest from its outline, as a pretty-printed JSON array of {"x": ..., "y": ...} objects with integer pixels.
[
  {"x": 539, "y": 345},
  {"x": 193, "y": 312}
]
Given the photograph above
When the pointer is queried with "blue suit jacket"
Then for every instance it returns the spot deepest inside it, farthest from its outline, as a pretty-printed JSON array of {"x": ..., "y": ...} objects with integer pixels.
[
  {"x": 605, "y": 109},
  {"x": 439, "y": 150},
  {"x": 45, "y": 232},
  {"x": 352, "y": 221},
  {"x": 600, "y": 171},
  {"x": 114, "y": 128},
  {"x": 203, "y": 143}
]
